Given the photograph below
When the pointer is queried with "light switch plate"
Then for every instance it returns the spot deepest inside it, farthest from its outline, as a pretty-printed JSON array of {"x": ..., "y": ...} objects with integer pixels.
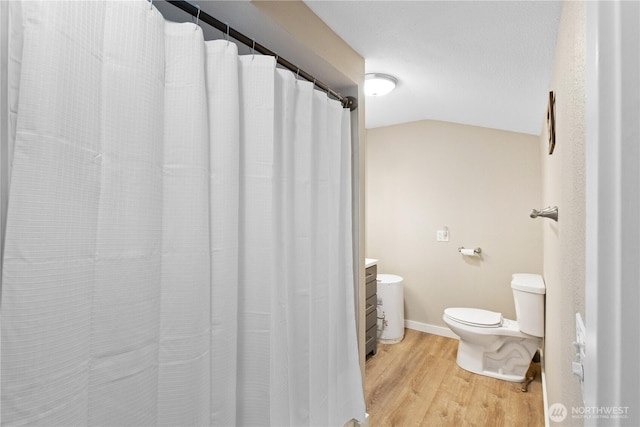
[{"x": 442, "y": 235}]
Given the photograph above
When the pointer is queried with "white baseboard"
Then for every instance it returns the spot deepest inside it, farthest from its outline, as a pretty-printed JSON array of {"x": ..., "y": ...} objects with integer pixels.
[
  {"x": 545, "y": 399},
  {"x": 430, "y": 329}
]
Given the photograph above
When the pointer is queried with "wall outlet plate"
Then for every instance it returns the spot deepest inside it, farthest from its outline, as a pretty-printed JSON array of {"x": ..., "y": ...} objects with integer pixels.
[{"x": 442, "y": 235}]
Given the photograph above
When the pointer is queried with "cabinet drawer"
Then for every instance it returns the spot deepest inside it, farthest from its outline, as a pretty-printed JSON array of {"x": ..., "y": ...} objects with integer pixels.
[
  {"x": 372, "y": 303},
  {"x": 371, "y": 332},
  {"x": 371, "y": 345},
  {"x": 371, "y": 325},
  {"x": 371, "y": 289},
  {"x": 371, "y": 273},
  {"x": 371, "y": 319},
  {"x": 371, "y": 340}
]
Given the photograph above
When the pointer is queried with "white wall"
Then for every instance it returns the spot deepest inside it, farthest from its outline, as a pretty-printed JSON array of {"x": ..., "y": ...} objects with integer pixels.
[
  {"x": 564, "y": 186},
  {"x": 481, "y": 183}
]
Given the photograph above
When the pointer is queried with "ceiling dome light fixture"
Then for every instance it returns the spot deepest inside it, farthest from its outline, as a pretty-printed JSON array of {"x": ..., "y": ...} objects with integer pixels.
[{"x": 376, "y": 84}]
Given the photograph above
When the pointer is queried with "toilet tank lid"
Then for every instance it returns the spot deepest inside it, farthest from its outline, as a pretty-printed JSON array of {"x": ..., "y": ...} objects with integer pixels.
[{"x": 527, "y": 282}]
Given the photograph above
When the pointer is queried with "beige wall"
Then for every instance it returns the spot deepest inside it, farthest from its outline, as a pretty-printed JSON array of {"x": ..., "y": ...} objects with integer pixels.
[
  {"x": 564, "y": 186},
  {"x": 481, "y": 183}
]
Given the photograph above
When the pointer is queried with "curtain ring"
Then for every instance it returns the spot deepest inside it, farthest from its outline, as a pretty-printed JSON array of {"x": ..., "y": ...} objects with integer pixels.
[
  {"x": 150, "y": 4},
  {"x": 198, "y": 15},
  {"x": 298, "y": 74},
  {"x": 227, "y": 34},
  {"x": 253, "y": 49}
]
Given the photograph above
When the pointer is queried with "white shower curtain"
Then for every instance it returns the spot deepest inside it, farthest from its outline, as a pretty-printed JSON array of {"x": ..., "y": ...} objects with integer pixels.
[{"x": 178, "y": 242}]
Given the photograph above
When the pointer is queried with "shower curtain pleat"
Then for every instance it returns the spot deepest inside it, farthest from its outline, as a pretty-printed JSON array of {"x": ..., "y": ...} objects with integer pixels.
[
  {"x": 280, "y": 343},
  {"x": 292, "y": 207},
  {"x": 222, "y": 88},
  {"x": 184, "y": 348},
  {"x": 51, "y": 232},
  {"x": 178, "y": 241},
  {"x": 125, "y": 292},
  {"x": 14, "y": 64},
  {"x": 255, "y": 217},
  {"x": 318, "y": 271}
]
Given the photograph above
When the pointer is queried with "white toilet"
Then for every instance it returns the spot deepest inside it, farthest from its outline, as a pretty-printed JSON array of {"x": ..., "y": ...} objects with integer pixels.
[{"x": 496, "y": 347}]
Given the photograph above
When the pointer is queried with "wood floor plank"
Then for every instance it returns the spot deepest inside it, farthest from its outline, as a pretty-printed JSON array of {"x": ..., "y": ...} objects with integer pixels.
[
  {"x": 388, "y": 392},
  {"x": 409, "y": 390},
  {"x": 418, "y": 383},
  {"x": 422, "y": 388}
]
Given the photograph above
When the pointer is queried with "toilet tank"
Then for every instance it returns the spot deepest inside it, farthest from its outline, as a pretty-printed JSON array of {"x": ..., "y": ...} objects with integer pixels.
[{"x": 528, "y": 295}]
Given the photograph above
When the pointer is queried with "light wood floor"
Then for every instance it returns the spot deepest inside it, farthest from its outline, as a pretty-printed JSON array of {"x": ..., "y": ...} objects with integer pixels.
[{"x": 418, "y": 383}]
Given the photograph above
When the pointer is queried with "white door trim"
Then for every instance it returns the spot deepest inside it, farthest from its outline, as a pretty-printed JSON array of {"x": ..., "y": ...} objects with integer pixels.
[{"x": 612, "y": 371}]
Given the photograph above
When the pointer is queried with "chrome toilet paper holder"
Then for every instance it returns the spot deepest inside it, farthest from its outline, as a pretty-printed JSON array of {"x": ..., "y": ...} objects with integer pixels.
[{"x": 476, "y": 251}]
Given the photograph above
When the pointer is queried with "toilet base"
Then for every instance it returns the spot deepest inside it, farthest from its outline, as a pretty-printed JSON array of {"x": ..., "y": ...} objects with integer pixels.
[{"x": 509, "y": 362}]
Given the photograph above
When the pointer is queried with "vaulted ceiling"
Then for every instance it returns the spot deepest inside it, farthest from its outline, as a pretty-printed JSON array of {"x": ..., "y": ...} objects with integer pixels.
[{"x": 484, "y": 63}]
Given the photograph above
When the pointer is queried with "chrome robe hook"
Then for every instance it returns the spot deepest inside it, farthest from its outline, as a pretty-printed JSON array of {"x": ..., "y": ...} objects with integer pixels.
[{"x": 548, "y": 212}]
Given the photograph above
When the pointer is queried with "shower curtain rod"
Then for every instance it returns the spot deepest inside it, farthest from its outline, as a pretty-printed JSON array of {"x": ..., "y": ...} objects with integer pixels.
[{"x": 347, "y": 101}]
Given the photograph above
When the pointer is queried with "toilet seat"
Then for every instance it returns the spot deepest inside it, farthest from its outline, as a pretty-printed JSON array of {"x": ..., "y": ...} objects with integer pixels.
[{"x": 475, "y": 317}]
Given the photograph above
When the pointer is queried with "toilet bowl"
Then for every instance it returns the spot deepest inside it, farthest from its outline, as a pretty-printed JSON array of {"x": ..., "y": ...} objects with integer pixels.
[{"x": 497, "y": 347}]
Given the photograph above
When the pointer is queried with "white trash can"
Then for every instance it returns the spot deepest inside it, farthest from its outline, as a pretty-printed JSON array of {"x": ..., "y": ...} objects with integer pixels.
[{"x": 390, "y": 308}]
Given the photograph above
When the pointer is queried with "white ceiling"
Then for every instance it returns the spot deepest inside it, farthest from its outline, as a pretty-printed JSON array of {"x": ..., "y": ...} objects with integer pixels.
[{"x": 483, "y": 63}]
